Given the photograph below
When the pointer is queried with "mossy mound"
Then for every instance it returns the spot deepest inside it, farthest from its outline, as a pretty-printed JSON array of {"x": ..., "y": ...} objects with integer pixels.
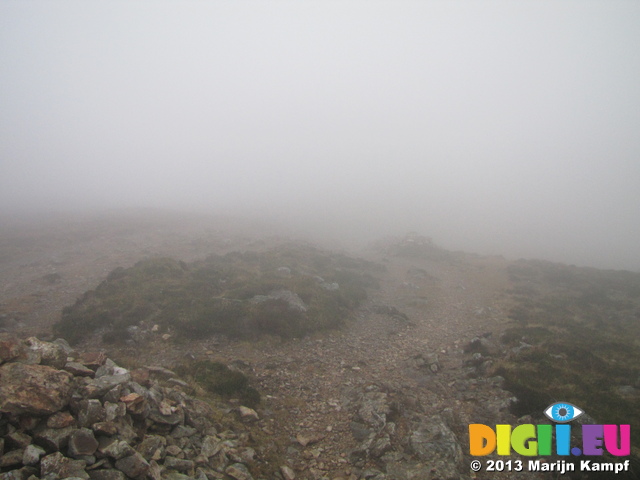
[
  {"x": 218, "y": 378},
  {"x": 575, "y": 338},
  {"x": 288, "y": 291}
]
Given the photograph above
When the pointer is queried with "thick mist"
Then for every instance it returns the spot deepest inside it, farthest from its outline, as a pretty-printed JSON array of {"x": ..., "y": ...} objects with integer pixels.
[{"x": 494, "y": 127}]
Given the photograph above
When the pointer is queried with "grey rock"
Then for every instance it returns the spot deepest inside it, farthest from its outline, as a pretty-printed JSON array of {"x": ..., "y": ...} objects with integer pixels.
[
  {"x": 374, "y": 408},
  {"x": 82, "y": 442},
  {"x": 54, "y": 439},
  {"x": 114, "y": 410},
  {"x": 105, "y": 428},
  {"x": 12, "y": 458},
  {"x": 287, "y": 473},
  {"x": 113, "y": 395},
  {"x": 180, "y": 383},
  {"x": 23, "y": 473},
  {"x": 90, "y": 412},
  {"x": 373, "y": 474},
  {"x": 109, "y": 367},
  {"x": 63, "y": 467},
  {"x": 126, "y": 432},
  {"x": 433, "y": 442},
  {"x": 182, "y": 431},
  {"x": 520, "y": 348},
  {"x": 177, "y": 476},
  {"x": 211, "y": 445},
  {"x": 294, "y": 302},
  {"x": 174, "y": 450},
  {"x": 248, "y": 414},
  {"x": 152, "y": 447},
  {"x": 133, "y": 465},
  {"x": 32, "y": 454},
  {"x": 79, "y": 370},
  {"x": 97, "y": 387},
  {"x": 17, "y": 439},
  {"x": 239, "y": 472},
  {"x": 107, "y": 475},
  {"x": 64, "y": 344},
  {"x": 116, "y": 449},
  {"x": 173, "y": 418},
  {"x": 88, "y": 459},
  {"x": 51, "y": 354},
  {"x": 161, "y": 371},
  {"x": 380, "y": 446},
  {"x": 360, "y": 431},
  {"x": 178, "y": 464},
  {"x": 309, "y": 438}
]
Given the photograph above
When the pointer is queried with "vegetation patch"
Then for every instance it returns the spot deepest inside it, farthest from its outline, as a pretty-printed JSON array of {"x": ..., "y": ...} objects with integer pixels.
[
  {"x": 574, "y": 337},
  {"x": 288, "y": 291},
  {"x": 216, "y": 377}
]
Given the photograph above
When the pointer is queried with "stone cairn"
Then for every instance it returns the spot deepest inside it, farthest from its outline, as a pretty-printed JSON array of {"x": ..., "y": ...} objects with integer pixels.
[{"x": 68, "y": 415}]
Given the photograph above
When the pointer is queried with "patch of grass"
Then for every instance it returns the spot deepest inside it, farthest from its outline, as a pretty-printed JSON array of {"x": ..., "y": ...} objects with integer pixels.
[
  {"x": 216, "y": 377},
  {"x": 583, "y": 326}
]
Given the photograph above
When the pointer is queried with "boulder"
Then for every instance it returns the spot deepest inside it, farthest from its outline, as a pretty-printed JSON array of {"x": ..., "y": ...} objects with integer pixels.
[
  {"x": 51, "y": 354},
  {"x": 33, "y": 389},
  {"x": 99, "y": 386}
]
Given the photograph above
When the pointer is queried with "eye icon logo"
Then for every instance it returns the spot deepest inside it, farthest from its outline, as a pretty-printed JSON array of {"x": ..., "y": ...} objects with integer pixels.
[{"x": 562, "y": 412}]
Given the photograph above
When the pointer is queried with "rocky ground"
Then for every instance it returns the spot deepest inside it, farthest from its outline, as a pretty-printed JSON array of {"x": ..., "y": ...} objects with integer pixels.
[{"x": 389, "y": 396}]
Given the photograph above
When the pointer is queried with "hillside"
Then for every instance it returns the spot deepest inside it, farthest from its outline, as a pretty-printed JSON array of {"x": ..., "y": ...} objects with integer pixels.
[{"x": 372, "y": 365}]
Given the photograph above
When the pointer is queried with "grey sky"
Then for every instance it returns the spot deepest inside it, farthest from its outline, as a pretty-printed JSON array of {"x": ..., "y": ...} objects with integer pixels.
[{"x": 497, "y": 127}]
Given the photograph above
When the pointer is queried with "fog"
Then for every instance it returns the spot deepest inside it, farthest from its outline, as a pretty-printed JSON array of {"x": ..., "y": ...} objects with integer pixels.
[{"x": 495, "y": 127}]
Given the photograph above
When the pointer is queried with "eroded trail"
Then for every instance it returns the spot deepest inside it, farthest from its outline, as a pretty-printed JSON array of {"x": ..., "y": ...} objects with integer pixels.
[{"x": 373, "y": 396}]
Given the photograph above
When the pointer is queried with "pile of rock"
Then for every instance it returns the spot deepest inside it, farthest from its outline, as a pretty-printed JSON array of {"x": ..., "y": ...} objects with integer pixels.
[
  {"x": 427, "y": 449},
  {"x": 70, "y": 415}
]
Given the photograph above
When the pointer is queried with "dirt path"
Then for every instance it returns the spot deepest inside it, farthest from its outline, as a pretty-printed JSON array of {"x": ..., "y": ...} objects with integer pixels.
[{"x": 311, "y": 386}]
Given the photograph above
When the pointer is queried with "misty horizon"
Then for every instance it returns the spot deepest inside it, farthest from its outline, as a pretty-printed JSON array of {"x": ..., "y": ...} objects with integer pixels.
[{"x": 495, "y": 128}]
